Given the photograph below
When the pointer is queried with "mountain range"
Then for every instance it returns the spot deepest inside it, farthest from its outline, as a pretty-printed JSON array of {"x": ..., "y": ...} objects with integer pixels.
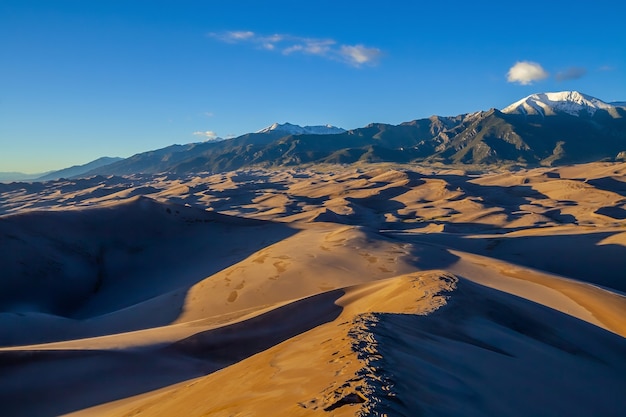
[{"x": 542, "y": 129}]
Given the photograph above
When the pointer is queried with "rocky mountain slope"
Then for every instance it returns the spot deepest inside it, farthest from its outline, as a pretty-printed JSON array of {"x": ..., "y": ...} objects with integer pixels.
[{"x": 542, "y": 129}]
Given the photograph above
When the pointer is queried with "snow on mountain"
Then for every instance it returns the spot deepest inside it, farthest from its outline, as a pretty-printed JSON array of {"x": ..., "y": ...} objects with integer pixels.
[
  {"x": 302, "y": 130},
  {"x": 547, "y": 104}
]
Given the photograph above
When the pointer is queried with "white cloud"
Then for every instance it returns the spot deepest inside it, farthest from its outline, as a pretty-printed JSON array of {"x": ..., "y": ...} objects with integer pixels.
[
  {"x": 318, "y": 46},
  {"x": 292, "y": 49},
  {"x": 269, "y": 46},
  {"x": 233, "y": 36},
  {"x": 273, "y": 38},
  {"x": 355, "y": 55},
  {"x": 525, "y": 72},
  {"x": 207, "y": 135},
  {"x": 359, "y": 54},
  {"x": 321, "y": 47}
]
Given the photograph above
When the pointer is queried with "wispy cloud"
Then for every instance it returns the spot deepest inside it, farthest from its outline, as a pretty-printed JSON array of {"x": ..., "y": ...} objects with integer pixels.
[
  {"x": 526, "y": 72},
  {"x": 360, "y": 54},
  {"x": 233, "y": 36},
  {"x": 355, "y": 55},
  {"x": 572, "y": 73},
  {"x": 207, "y": 134},
  {"x": 322, "y": 47}
]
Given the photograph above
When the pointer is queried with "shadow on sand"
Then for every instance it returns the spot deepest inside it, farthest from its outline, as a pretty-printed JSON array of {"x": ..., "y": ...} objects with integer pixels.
[{"x": 104, "y": 376}]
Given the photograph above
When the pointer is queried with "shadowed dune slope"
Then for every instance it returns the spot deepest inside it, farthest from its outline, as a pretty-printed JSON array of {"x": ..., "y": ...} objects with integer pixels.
[{"x": 81, "y": 269}]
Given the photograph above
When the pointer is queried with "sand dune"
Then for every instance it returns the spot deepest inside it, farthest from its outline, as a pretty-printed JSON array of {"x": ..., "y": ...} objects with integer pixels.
[{"x": 375, "y": 290}]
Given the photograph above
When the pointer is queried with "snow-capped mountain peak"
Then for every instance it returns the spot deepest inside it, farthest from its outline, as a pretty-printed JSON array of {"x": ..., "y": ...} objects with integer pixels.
[
  {"x": 302, "y": 130},
  {"x": 547, "y": 104}
]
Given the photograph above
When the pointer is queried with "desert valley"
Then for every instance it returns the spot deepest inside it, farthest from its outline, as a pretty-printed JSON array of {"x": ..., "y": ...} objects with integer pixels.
[{"x": 477, "y": 282}]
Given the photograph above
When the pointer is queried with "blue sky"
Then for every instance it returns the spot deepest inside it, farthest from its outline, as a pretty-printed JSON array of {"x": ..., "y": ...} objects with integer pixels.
[{"x": 84, "y": 79}]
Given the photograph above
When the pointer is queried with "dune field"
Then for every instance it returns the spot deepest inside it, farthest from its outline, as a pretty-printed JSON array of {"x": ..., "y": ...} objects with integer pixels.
[{"x": 324, "y": 291}]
